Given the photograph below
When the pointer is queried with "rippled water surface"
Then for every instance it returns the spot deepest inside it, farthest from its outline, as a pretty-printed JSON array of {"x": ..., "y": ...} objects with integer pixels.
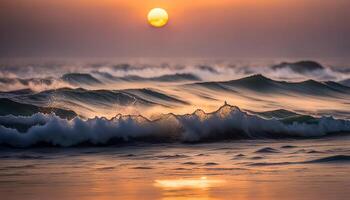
[{"x": 262, "y": 169}]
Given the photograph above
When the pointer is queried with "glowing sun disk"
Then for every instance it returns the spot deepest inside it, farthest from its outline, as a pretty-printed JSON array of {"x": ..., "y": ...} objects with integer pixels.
[{"x": 158, "y": 17}]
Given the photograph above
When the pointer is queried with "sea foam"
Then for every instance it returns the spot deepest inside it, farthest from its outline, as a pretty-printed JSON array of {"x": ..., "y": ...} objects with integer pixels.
[{"x": 227, "y": 123}]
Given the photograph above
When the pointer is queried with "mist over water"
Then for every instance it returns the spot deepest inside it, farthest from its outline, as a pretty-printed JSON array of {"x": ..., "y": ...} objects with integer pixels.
[
  {"x": 174, "y": 129},
  {"x": 150, "y": 87},
  {"x": 106, "y": 102},
  {"x": 175, "y": 119}
]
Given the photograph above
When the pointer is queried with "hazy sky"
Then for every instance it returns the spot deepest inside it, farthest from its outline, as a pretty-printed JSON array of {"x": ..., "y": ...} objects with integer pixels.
[{"x": 200, "y": 28}]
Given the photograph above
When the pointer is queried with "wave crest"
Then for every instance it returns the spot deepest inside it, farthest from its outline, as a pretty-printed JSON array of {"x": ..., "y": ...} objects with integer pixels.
[{"x": 226, "y": 123}]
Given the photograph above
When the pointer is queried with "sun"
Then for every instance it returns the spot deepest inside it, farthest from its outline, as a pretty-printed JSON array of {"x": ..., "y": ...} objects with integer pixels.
[{"x": 158, "y": 17}]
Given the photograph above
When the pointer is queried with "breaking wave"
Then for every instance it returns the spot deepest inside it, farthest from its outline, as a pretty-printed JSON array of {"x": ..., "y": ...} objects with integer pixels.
[{"x": 227, "y": 123}]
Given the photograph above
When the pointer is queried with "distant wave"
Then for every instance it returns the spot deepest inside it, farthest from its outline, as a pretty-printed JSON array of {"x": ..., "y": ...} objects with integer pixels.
[
  {"x": 227, "y": 123},
  {"x": 155, "y": 96},
  {"x": 208, "y": 69},
  {"x": 79, "y": 79},
  {"x": 93, "y": 79},
  {"x": 82, "y": 79},
  {"x": 9, "y": 107},
  {"x": 300, "y": 67},
  {"x": 212, "y": 69},
  {"x": 177, "y": 77},
  {"x": 261, "y": 84},
  {"x": 44, "y": 75},
  {"x": 94, "y": 98},
  {"x": 8, "y": 84},
  {"x": 27, "y": 82},
  {"x": 255, "y": 89},
  {"x": 345, "y": 82},
  {"x": 14, "y": 93}
]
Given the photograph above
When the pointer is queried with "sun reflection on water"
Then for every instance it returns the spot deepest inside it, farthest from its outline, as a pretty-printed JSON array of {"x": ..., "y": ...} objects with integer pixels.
[
  {"x": 200, "y": 183},
  {"x": 195, "y": 188}
]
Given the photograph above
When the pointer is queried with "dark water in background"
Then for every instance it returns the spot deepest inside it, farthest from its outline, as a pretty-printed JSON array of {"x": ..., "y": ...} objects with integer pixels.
[{"x": 105, "y": 88}]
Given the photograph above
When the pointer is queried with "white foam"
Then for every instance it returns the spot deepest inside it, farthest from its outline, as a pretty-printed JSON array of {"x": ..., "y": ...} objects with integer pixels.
[{"x": 226, "y": 123}]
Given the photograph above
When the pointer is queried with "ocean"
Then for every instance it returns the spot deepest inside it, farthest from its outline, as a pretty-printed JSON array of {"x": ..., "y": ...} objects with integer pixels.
[{"x": 174, "y": 129}]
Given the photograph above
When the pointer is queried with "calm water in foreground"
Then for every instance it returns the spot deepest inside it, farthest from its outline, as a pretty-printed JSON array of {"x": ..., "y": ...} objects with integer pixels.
[{"x": 269, "y": 169}]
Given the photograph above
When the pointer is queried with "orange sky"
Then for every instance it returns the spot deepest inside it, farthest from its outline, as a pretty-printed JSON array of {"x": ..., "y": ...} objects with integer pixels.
[{"x": 260, "y": 28}]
